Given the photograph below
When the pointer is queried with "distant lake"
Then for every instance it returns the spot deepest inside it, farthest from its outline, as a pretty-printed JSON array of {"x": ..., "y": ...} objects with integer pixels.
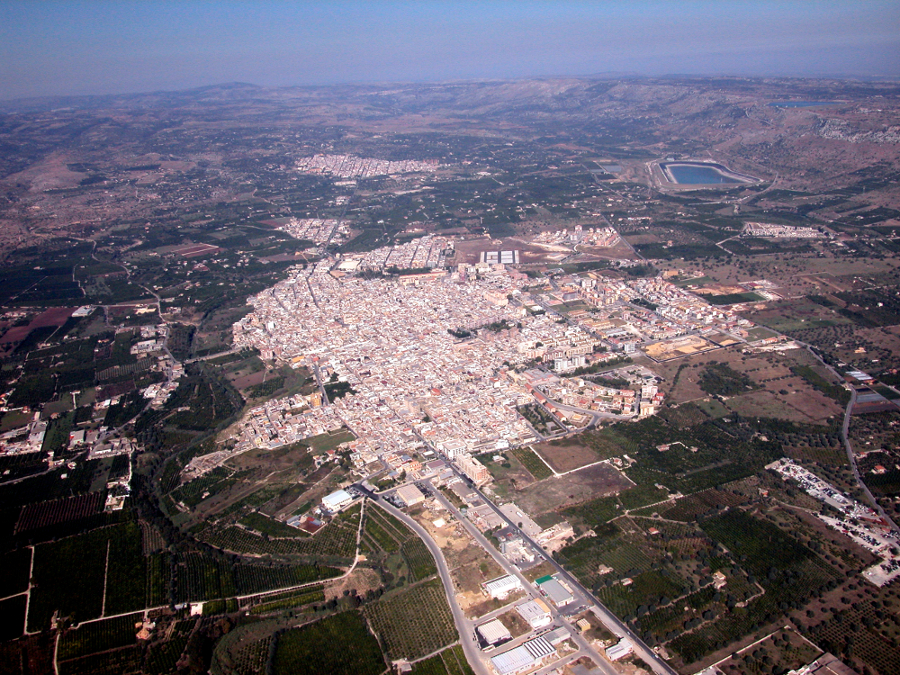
[
  {"x": 695, "y": 174},
  {"x": 800, "y": 104}
]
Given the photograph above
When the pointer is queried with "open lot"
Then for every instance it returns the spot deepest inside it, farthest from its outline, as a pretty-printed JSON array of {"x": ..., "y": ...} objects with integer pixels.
[
  {"x": 557, "y": 493},
  {"x": 565, "y": 454}
]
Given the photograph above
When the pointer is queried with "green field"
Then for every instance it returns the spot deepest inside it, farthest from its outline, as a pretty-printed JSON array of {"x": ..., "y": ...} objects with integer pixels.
[
  {"x": 314, "y": 648},
  {"x": 413, "y": 622},
  {"x": 451, "y": 661},
  {"x": 534, "y": 464}
]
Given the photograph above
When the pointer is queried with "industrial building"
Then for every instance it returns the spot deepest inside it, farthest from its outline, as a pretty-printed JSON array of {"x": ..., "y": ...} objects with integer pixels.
[
  {"x": 536, "y": 613},
  {"x": 410, "y": 495},
  {"x": 337, "y": 500},
  {"x": 558, "y": 594},
  {"x": 494, "y": 632},
  {"x": 501, "y": 587},
  {"x": 620, "y": 650},
  {"x": 522, "y": 658}
]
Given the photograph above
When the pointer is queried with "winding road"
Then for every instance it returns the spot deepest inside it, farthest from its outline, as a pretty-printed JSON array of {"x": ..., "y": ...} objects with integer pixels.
[{"x": 463, "y": 625}]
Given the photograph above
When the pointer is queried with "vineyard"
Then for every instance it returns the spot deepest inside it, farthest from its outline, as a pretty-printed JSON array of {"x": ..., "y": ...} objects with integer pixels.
[
  {"x": 12, "y": 617},
  {"x": 289, "y": 601},
  {"x": 383, "y": 532},
  {"x": 152, "y": 538},
  {"x": 418, "y": 558},
  {"x": 200, "y": 577},
  {"x": 45, "y": 514},
  {"x": 220, "y": 607},
  {"x": 532, "y": 463},
  {"x": 379, "y": 533},
  {"x": 83, "y": 557},
  {"x": 269, "y": 527},
  {"x": 15, "y": 567},
  {"x": 192, "y": 493},
  {"x": 335, "y": 540},
  {"x": 203, "y": 577},
  {"x": 99, "y": 636},
  {"x": 451, "y": 661},
  {"x": 159, "y": 574},
  {"x": 251, "y": 659},
  {"x": 314, "y": 648},
  {"x": 257, "y": 579},
  {"x": 126, "y": 578},
  {"x": 163, "y": 656},
  {"x": 413, "y": 622}
]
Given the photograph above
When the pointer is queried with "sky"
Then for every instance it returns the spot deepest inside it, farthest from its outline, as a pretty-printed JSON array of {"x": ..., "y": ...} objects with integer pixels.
[{"x": 76, "y": 47}]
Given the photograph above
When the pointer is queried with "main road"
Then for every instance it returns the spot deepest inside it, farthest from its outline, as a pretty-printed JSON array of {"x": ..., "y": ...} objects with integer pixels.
[
  {"x": 851, "y": 457},
  {"x": 463, "y": 625},
  {"x": 584, "y": 648},
  {"x": 610, "y": 620}
]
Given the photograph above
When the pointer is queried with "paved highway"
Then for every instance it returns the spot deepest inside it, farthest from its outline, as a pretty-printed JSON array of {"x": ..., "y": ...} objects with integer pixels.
[
  {"x": 610, "y": 620},
  {"x": 584, "y": 648},
  {"x": 851, "y": 457},
  {"x": 463, "y": 625}
]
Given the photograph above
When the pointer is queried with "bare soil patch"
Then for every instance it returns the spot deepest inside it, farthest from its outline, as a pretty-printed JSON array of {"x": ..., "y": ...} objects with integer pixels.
[
  {"x": 248, "y": 380},
  {"x": 764, "y": 404},
  {"x": 566, "y": 454},
  {"x": 557, "y": 493}
]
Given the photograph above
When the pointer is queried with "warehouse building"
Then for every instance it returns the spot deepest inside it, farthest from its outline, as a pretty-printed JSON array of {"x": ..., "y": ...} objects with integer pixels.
[
  {"x": 494, "y": 633},
  {"x": 536, "y": 613},
  {"x": 558, "y": 594},
  {"x": 620, "y": 650},
  {"x": 501, "y": 587},
  {"x": 410, "y": 495},
  {"x": 337, "y": 500},
  {"x": 522, "y": 658}
]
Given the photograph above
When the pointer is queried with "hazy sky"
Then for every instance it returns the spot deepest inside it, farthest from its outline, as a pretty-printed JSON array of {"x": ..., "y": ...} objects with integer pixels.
[{"x": 50, "y": 47}]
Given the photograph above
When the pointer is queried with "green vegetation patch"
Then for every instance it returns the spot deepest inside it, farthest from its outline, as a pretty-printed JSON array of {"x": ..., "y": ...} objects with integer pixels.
[
  {"x": 269, "y": 526},
  {"x": 83, "y": 557},
  {"x": 720, "y": 379},
  {"x": 451, "y": 661},
  {"x": 532, "y": 463},
  {"x": 835, "y": 391},
  {"x": 99, "y": 636},
  {"x": 315, "y": 648},
  {"x": 413, "y": 622},
  {"x": 288, "y": 601}
]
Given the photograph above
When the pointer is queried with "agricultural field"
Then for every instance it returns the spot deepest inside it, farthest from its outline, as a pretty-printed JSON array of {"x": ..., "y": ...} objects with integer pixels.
[
  {"x": 786, "y": 648},
  {"x": 300, "y": 651},
  {"x": 289, "y": 600},
  {"x": 12, "y": 617},
  {"x": 85, "y": 557},
  {"x": 451, "y": 661},
  {"x": 99, "y": 636},
  {"x": 336, "y": 541},
  {"x": 532, "y": 463},
  {"x": 412, "y": 622},
  {"x": 202, "y": 577}
]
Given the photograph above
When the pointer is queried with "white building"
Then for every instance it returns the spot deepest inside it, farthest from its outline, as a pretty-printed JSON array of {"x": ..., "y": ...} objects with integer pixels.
[
  {"x": 337, "y": 500},
  {"x": 535, "y": 612},
  {"x": 620, "y": 650},
  {"x": 501, "y": 587},
  {"x": 410, "y": 495}
]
